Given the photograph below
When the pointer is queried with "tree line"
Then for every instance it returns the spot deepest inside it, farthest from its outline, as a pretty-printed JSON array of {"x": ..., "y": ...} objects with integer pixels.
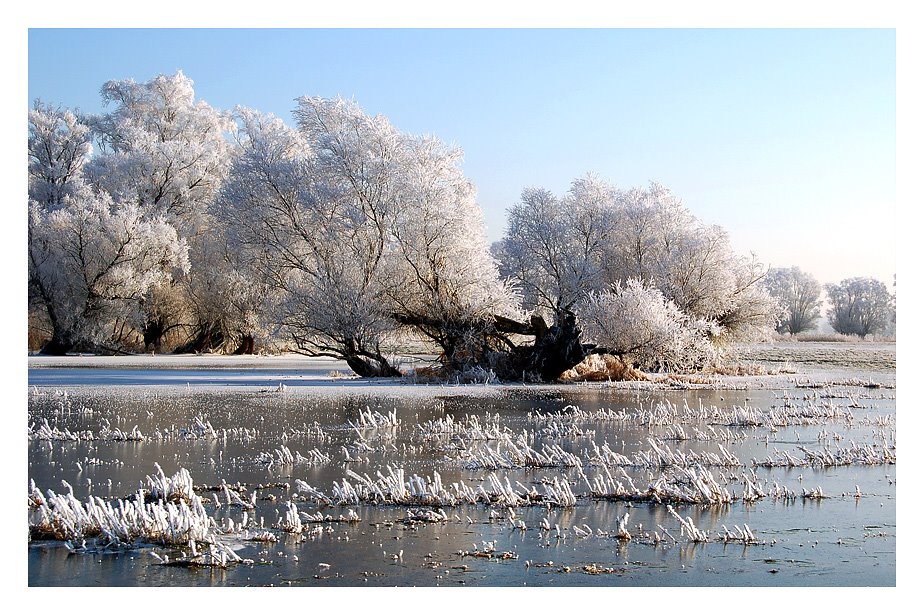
[{"x": 164, "y": 224}]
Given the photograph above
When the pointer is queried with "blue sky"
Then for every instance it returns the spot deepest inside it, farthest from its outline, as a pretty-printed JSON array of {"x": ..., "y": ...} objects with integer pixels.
[{"x": 785, "y": 137}]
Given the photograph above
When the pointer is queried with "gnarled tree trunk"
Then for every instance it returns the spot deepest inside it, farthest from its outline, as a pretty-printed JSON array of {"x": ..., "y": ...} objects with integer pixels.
[
  {"x": 367, "y": 363},
  {"x": 556, "y": 348}
]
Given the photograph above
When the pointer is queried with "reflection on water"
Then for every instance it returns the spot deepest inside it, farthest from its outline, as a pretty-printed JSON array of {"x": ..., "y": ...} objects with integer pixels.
[{"x": 840, "y": 540}]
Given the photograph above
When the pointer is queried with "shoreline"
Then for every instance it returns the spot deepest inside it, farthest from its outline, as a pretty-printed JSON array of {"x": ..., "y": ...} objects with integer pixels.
[{"x": 785, "y": 366}]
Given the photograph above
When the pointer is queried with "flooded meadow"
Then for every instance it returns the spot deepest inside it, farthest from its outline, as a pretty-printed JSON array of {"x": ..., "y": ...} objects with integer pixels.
[{"x": 136, "y": 479}]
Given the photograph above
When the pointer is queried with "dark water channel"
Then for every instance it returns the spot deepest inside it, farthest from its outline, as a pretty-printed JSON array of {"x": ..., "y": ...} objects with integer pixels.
[{"x": 841, "y": 540}]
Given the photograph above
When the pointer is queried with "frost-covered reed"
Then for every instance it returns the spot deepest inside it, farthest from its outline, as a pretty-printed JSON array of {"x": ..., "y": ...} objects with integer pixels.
[
  {"x": 558, "y": 493},
  {"x": 739, "y": 416},
  {"x": 282, "y": 456},
  {"x": 122, "y": 522},
  {"x": 373, "y": 419},
  {"x": 622, "y": 532},
  {"x": 509, "y": 452},
  {"x": 813, "y": 494},
  {"x": 254, "y": 535},
  {"x": 688, "y": 528},
  {"x": 678, "y": 485},
  {"x": 572, "y": 414},
  {"x": 46, "y": 432},
  {"x": 178, "y": 487},
  {"x": 315, "y": 431},
  {"x": 469, "y": 428},
  {"x": 690, "y": 485},
  {"x": 234, "y": 500},
  {"x": 217, "y": 555},
  {"x": 319, "y": 517},
  {"x": 744, "y": 536},
  {"x": 702, "y": 418},
  {"x": 425, "y": 515},
  {"x": 292, "y": 522},
  {"x": 201, "y": 429},
  {"x": 708, "y": 434},
  {"x": 310, "y": 493},
  {"x": 660, "y": 456},
  {"x": 854, "y": 454},
  {"x": 558, "y": 430},
  {"x": 394, "y": 487}
]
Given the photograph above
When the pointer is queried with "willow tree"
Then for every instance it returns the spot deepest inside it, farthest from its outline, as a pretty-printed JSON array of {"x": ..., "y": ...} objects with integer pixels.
[
  {"x": 91, "y": 262},
  {"x": 860, "y": 306},
  {"x": 799, "y": 296},
  {"x": 588, "y": 249},
  {"x": 167, "y": 152},
  {"x": 362, "y": 231},
  {"x": 92, "y": 258}
]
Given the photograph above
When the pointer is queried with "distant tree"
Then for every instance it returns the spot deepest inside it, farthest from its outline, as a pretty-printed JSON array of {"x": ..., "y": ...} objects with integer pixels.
[
  {"x": 799, "y": 296},
  {"x": 860, "y": 306}
]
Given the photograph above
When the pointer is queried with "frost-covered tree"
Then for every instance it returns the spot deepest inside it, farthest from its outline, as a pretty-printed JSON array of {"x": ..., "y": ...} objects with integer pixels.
[
  {"x": 558, "y": 250},
  {"x": 169, "y": 153},
  {"x": 554, "y": 247},
  {"x": 860, "y": 306},
  {"x": 316, "y": 233},
  {"x": 223, "y": 300},
  {"x": 160, "y": 147},
  {"x": 799, "y": 296},
  {"x": 639, "y": 324},
  {"x": 752, "y": 314},
  {"x": 361, "y": 230},
  {"x": 658, "y": 240},
  {"x": 92, "y": 261},
  {"x": 598, "y": 237},
  {"x": 442, "y": 280}
]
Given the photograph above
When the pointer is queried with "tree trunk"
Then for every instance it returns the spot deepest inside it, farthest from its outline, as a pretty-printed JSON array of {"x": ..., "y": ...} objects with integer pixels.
[
  {"x": 153, "y": 334},
  {"x": 366, "y": 367},
  {"x": 246, "y": 346},
  {"x": 366, "y": 363},
  {"x": 209, "y": 336},
  {"x": 557, "y": 350},
  {"x": 58, "y": 345}
]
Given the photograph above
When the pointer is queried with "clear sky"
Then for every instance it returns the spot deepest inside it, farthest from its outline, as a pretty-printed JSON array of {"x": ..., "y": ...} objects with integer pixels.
[{"x": 785, "y": 137}]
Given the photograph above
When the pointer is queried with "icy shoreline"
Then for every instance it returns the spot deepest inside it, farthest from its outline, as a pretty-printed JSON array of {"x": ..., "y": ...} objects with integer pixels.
[{"x": 326, "y": 376}]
